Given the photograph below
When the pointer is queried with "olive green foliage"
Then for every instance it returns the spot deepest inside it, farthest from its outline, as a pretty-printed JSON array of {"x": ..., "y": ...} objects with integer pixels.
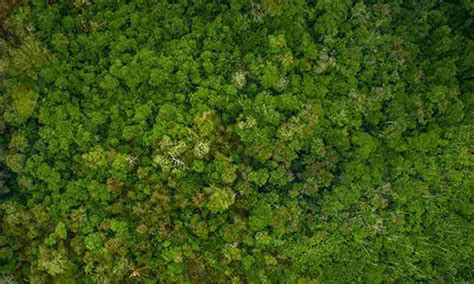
[{"x": 240, "y": 141}]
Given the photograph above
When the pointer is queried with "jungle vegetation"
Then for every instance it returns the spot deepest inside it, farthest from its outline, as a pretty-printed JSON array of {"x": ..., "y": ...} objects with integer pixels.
[{"x": 236, "y": 141}]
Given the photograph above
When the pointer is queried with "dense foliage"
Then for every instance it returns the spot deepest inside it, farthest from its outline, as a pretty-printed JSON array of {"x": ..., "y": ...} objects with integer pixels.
[{"x": 237, "y": 141}]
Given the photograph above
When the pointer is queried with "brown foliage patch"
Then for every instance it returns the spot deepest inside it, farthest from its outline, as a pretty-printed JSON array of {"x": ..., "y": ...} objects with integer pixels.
[{"x": 5, "y": 5}]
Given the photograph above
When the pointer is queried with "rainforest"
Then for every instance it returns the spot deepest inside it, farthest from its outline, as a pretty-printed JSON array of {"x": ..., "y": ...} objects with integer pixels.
[{"x": 236, "y": 141}]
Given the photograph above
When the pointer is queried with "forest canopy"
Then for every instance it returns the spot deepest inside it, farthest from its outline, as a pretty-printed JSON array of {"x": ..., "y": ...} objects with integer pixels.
[{"x": 237, "y": 141}]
